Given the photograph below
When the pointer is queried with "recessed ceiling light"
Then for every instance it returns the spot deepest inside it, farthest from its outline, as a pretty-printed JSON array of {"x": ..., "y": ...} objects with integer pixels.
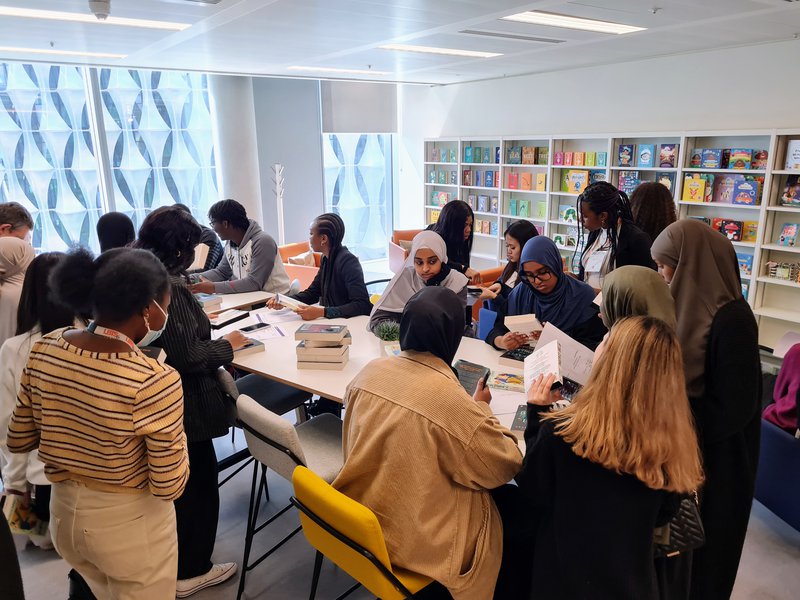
[
  {"x": 336, "y": 70},
  {"x": 434, "y": 50},
  {"x": 60, "y": 52},
  {"x": 535, "y": 17},
  {"x": 57, "y": 15}
]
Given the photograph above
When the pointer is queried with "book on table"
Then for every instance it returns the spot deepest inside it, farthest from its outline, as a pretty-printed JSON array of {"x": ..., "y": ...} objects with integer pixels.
[
  {"x": 469, "y": 374},
  {"x": 322, "y": 366},
  {"x": 321, "y": 332},
  {"x": 290, "y": 302},
  {"x": 327, "y": 355},
  {"x": 251, "y": 347},
  {"x": 208, "y": 301},
  {"x": 347, "y": 340},
  {"x": 227, "y": 317},
  {"x": 514, "y": 358}
]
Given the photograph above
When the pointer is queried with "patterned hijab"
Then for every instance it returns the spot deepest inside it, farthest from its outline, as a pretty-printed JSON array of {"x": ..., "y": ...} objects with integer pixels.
[
  {"x": 406, "y": 283},
  {"x": 634, "y": 291},
  {"x": 706, "y": 279},
  {"x": 570, "y": 302}
]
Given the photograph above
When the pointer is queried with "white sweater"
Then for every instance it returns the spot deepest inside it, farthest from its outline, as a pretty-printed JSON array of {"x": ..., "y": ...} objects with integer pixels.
[{"x": 17, "y": 468}]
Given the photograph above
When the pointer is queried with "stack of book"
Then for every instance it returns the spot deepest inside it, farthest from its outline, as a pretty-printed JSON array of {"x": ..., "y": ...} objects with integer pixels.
[
  {"x": 209, "y": 302},
  {"x": 323, "y": 346}
]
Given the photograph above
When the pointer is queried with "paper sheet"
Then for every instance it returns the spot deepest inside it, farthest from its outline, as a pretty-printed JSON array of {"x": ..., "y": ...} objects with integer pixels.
[
  {"x": 267, "y": 315},
  {"x": 576, "y": 359},
  {"x": 266, "y": 333}
]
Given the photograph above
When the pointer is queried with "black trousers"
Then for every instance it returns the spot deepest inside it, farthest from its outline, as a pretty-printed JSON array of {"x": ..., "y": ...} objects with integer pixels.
[{"x": 197, "y": 512}]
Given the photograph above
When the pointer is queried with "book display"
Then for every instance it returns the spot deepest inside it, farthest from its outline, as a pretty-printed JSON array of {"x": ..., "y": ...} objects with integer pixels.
[
  {"x": 744, "y": 184},
  {"x": 322, "y": 346}
]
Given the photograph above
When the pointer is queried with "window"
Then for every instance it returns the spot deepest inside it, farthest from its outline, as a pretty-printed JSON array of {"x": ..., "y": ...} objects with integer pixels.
[
  {"x": 358, "y": 187},
  {"x": 157, "y": 129}
]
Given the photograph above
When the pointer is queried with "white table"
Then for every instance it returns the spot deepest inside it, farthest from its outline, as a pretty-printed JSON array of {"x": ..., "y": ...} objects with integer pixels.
[{"x": 244, "y": 301}]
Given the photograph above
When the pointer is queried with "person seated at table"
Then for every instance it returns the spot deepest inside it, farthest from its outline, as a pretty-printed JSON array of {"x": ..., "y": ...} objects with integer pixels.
[
  {"x": 207, "y": 238},
  {"x": 516, "y": 236},
  {"x": 415, "y": 444},
  {"x": 552, "y": 295},
  {"x": 425, "y": 266},
  {"x": 602, "y": 473},
  {"x": 172, "y": 234},
  {"x": 114, "y": 230},
  {"x": 251, "y": 261},
  {"x": 456, "y": 225},
  {"x": 339, "y": 285}
]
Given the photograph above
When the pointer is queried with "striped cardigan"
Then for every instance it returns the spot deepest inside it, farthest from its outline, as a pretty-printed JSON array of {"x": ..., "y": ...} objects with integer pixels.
[{"x": 113, "y": 421}]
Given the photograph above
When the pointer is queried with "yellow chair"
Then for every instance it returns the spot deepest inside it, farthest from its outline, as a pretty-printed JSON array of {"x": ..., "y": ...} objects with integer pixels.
[{"x": 349, "y": 534}]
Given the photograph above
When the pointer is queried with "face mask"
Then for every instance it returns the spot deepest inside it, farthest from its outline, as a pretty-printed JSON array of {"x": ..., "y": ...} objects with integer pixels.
[{"x": 152, "y": 335}]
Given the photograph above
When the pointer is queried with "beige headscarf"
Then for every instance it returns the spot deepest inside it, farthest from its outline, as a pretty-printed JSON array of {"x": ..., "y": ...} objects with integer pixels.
[
  {"x": 706, "y": 279},
  {"x": 634, "y": 291},
  {"x": 15, "y": 256}
]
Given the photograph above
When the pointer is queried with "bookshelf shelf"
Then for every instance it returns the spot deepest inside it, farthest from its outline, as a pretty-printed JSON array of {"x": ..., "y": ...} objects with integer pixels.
[
  {"x": 484, "y": 256},
  {"x": 518, "y": 191},
  {"x": 744, "y": 244},
  {"x": 447, "y": 185},
  {"x": 485, "y": 214},
  {"x": 785, "y": 209},
  {"x": 776, "y": 281},
  {"x": 477, "y": 187},
  {"x": 569, "y": 194},
  {"x": 778, "y": 313},
  {"x": 786, "y": 172},
  {"x": 779, "y": 248},
  {"x": 563, "y": 223},
  {"x": 526, "y": 166},
  {"x": 442, "y": 164},
  {"x": 719, "y": 205},
  {"x": 520, "y": 217},
  {"x": 433, "y": 206},
  {"x": 723, "y": 171},
  {"x": 647, "y": 169},
  {"x": 484, "y": 235}
]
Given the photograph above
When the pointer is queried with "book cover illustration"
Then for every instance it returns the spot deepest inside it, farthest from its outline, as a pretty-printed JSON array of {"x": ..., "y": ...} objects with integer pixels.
[
  {"x": 568, "y": 159},
  {"x": 541, "y": 210},
  {"x": 726, "y": 156},
  {"x": 558, "y": 158},
  {"x": 485, "y": 227},
  {"x": 541, "y": 182},
  {"x": 625, "y": 155},
  {"x": 21, "y": 518},
  {"x": 477, "y": 154},
  {"x": 708, "y": 193},
  {"x": 512, "y": 207},
  {"x": 513, "y": 181},
  {"x": 568, "y": 213},
  {"x": 628, "y": 181},
  {"x": 723, "y": 188},
  {"x": 667, "y": 180},
  {"x": 750, "y": 231},
  {"x": 507, "y": 381},
  {"x": 483, "y": 203},
  {"x": 731, "y": 229},
  {"x": 745, "y": 193},
  {"x": 712, "y": 158},
  {"x": 578, "y": 180},
  {"x": 791, "y": 192},
  {"x": 442, "y": 177},
  {"x": 467, "y": 154},
  {"x": 745, "y": 264},
  {"x": 760, "y": 159},
  {"x": 528, "y": 155},
  {"x": 705, "y": 220},
  {"x": 526, "y": 181},
  {"x": 435, "y": 154},
  {"x": 792, "y": 155},
  {"x": 453, "y": 178},
  {"x": 542, "y": 155},
  {"x": 432, "y": 176},
  {"x": 514, "y": 155},
  {"x": 602, "y": 159},
  {"x": 595, "y": 176},
  {"x": 493, "y": 205},
  {"x": 578, "y": 158},
  {"x": 740, "y": 158},
  {"x": 472, "y": 200},
  {"x": 788, "y": 235},
  {"x": 524, "y": 208},
  {"x": 489, "y": 179},
  {"x": 645, "y": 155},
  {"x": 435, "y": 216},
  {"x": 487, "y": 155},
  {"x": 693, "y": 188},
  {"x": 591, "y": 159},
  {"x": 667, "y": 155},
  {"x": 466, "y": 178},
  {"x": 696, "y": 158}
]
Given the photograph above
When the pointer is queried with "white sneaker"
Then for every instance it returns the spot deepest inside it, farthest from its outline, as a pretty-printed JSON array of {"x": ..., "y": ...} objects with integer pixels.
[{"x": 218, "y": 573}]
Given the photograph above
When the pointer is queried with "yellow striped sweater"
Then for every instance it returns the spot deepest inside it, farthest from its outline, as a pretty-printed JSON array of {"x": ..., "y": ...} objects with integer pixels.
[{"x": 113, "y": 421}]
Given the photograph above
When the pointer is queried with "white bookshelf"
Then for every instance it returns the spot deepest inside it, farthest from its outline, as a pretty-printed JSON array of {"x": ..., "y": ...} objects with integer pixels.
[{"x": 775, "y": 302}]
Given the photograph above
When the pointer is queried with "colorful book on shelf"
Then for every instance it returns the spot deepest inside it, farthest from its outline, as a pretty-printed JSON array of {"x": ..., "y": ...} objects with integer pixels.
[
  {"x": 792, "y": 155},
  {"x": 591, "y": 159},
  {"x": 578, "y": 158},
  {"x": 602, "y": 159},
  {"x": 628, "y": 181},
  {"x": 514, "y": 155},
  {"x": 577, "y": 181},
  {"x": 487, "y": 155},
  {"x": 493, "y": 227},
  {"x": 712, "y": 158},
  {"x": 477, "y": 154},
  {"x": 740, "y": 158},
  {"x": 693, "y": 188},
  {"x": 434, "y": 216},
  {"x": 726, "y": 156},
  {"x": 708, "y": 193},
  {"x": 542, "y": 155},
  {"x": 745, "y": 193},
  {"x": 788, "y": 235},
  {"x": 472, "y": 200},
  {"x": 568, "y": 159},
  {"x": 435, "y": 156},
  {"x": 432, "y": 176},
  {"x": 731, "y": 229},
  {"x": 564, "y": 180},
  {"x": 760, "y": 159},
  {"x": 466, "y": 177},
  {"x": 645, "y": 155},
  {"x": 696, "y": 158},
  {"x": 443, "y": 178},
  {"x": 745, "y": 288},
  {"x": 568, "y": 213},
  {"x": 541, "y": 182},
  {"x": 467, "y": 154},
  {"x": 493, "y": 205},
  {"x": 528, "y": 155},
  {"x": 745, "y": 263},
  {"x": 667, "y": 180},
  {"x": 486, "y": 226},
  {"x": 702, "y": 219},
  {"x": 667, "y": 154},
  {"x": 512, "y": 207},
  {"x": 749, "y": 231},
  {"x": 541, "y": 210},
  {"x": 791, "y": 191},
  {"x": 558, "y": 158},
  {"x": 625, "y": 155},
  {"x": 595, "y": 176},
  {"x": 524, "y": 209},
  {"x": 453, "y": 177},
  {"x": 497, "y": 155},
  {"x": 723, "y": 188},
  {"x": 513, "y": 181},
  {"x": 489, "y": 179},
  {"x": 526, "y": 181},
  {"x": 483, "y": 203}
]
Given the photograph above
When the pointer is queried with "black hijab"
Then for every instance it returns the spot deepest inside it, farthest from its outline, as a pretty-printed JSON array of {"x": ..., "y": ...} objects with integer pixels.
[{"x": 433, "y": 321}]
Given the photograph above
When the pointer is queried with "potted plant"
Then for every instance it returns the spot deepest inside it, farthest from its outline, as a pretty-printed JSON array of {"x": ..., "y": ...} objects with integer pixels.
[{"x": 388, "y": 332}]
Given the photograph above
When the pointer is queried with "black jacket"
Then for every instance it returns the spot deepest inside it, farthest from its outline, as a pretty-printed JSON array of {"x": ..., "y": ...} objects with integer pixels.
[
  {"x": 339, "y": 287},
  {"x": 207, "y": 413},
  {"x": 594, "y": 533},
  {"x": 633, "y": 247}
]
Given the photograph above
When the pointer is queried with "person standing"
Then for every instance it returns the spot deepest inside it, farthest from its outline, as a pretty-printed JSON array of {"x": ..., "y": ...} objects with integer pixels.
[
  {"x": 114, "y": 230},
  {"x": 719, "y": 337},
  {"x": 15, "y": 220},
  {"x": 456, "y": 225},
  {"x": 15, "y": 256},
  {"x": 652, "y": 208},
  {"x": 251, "y": 261}
]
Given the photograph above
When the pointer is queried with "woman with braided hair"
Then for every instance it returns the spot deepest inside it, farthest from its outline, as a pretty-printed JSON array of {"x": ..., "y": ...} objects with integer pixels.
[
  {"x": 613, "y": 241},
  {"x": 339, "y": 286}
]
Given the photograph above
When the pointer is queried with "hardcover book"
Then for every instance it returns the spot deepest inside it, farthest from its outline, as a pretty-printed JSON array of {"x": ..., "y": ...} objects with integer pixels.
[
  {"x": 595, "y": 176},
  {"x": 528, "y": 155},
  {"x": 485, "y": 227},
  {"x": 568, "y": 213},
  {"x": 712, "y": 158},
  {"x": 472, "y": 200},
  {"x": 512, "y": 207},
  {"x": 477, "y": 154},
  {"x": 542, "y": 155},
  {"x": 524, "y": 208},
  {"x": 731, "y": 229},
  {"x": 745, "y": 263},
  {"x": 493, "y": 227},
  {"x": 320, "y": 331},
  {"x": 740, "y": 158},
  {"x": 443, "y": 177},
  {"x": 320, "y": 366},
  {"x": 453, "y": 178},
  {"x": 558, "y": 158},
  {"x": 515, "y": 358},
  {"x": 693, "y": 188},
  {"x": 760, "y": 159},
  {"x": 750, "y": 231},
  {"x": 708, "y": 193},
  {"x": 467, "y": 154},
  {"x": 745, "y": 193},
  {"x": 645, "y": 155},
  {"x": 208, "y": 301},
  {"x": 507, "y": 381},
  {"x": 541, "y": 210},
  {"x": 513, "y": 181},
  {"x": 667, "y": 155},
  {"x": 726, "y": 156},
  {"x": 466, "y": 177},
  {"x": 497, "y": 155},
  {"x": 483, "y": 203},
  {"x": 791, "y": 192},
  {"x": 788, "y": 235},
  {"x": 578, "y": 180},
  {"x": 723, "y": 188},
  {"x": 227, "y": 317},
  {"x": 435, "y": 156},
  {"x": 487, "y": 155},
  {"x": 696, "y": 158},
  {"x": 489, "y": 179},
  {"x": 251, "y": 347},
  {"x": 628, "y": 181},
  {"x": 625, "y": 155},
  {"x": 432, "y": 176},
  {"x": 526, "y": 181},
  {"x": 541, "y": 182},
  {"x": 493, "y": 205},
  {"x": 568, "y": 159},
  {"x": 667, "y": 180},
  {"x": 469, "y": 374},
  {"x": 578, "y": 158},
  {"x": 591, "y": 159},
  {"x": 602, "y": 159},
  {"x": 514, "y": 155}
]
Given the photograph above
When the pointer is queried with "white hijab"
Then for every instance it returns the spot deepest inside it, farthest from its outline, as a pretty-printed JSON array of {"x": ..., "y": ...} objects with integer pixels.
[
  {"x": 406, "y": 283},
  {"x": 15, "y": 256}
]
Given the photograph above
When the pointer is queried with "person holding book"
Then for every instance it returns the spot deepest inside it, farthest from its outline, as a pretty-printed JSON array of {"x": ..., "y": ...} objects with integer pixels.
[
  {"x": 15, "y": 256},
  {"x": 653, "y": 208},
  {"x": 426, "y": 266},
  {"x": 456, "y": 224},
  {"x": 171, "y": 234},
  {"x": 552, "y": 295},
  {"x": 719, "y": 337},
  {"x": 429, "y": 449},
  {"x": 601, "y": 474},
  {"x": 114, "y": 230},
  {"x": 614, "y": 240},
  {"x": 251, "y": 260},
  {"x": 108, "y": 424},
  {"x": 207, "y": 238},
  {"x": 516, "y": 236},
  {"x": 339, "y": 284},
  {"x": 786, "y": 394}
]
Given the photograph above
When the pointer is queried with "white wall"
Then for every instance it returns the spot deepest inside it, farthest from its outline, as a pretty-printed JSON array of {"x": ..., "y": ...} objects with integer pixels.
[{"x": 751, "y": 87}]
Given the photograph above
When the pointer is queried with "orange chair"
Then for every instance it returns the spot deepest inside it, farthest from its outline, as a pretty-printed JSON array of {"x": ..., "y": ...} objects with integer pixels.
[
  {"x": 397, "y": 255},
  {"x": 288, "y": 251},
  {"x": 305, "y": 274}
]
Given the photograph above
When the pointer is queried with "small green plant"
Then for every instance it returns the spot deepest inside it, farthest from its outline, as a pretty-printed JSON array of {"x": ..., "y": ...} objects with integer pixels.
[{"x": 388, "y": 331}]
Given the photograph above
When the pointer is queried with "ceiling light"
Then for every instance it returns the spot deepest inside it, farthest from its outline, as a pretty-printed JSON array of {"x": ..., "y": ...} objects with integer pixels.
[
  {"x": 535, "y": 17},
  {"x": 60, "y": 52},
  {"x": 57, "y": 15},
  {"x": 434, "y": 50},
  {"x": 341, "y": 71}
]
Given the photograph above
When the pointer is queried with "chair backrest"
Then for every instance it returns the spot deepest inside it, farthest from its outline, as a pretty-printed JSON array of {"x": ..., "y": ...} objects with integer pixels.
[
  {"x": 404, "y": 234},
  {"x": 227, "y": 384},
  {"x": 486, "y": 319},
  {"x": 346, "y": 532},
  {"x": 271, "y": 439},
  {"x": 777, "y": 485},
  {"x": 288, "y": 250}
]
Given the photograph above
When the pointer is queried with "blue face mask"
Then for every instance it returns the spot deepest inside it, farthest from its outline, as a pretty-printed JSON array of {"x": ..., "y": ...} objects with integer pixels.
[{"x": 152, "y": 335}]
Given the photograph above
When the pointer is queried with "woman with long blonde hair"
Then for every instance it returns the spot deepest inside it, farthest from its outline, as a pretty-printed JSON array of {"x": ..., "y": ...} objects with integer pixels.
[{"x": 605, "y": 471}]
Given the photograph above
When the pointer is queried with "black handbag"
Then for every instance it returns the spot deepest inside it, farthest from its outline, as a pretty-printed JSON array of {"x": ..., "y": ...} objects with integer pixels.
[{"x": 683, "y": 533}]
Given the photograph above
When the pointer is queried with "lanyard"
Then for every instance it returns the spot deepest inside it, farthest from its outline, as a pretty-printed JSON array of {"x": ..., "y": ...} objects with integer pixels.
[{"x": 111, "y": 333}]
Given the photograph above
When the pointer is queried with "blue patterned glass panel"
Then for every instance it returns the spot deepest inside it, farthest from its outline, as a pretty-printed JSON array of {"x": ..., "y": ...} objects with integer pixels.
[
  {"x": 358, "y": 187},
  {"x": 47, "y": 161}
]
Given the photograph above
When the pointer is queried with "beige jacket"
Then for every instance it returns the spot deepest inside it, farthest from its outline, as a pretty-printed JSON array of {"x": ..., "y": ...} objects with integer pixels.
[{"x": 422, "y": 455}]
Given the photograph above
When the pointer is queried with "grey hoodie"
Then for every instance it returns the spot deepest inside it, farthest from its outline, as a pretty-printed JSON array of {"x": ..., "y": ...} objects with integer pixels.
[{"x": 253, "y": 265}]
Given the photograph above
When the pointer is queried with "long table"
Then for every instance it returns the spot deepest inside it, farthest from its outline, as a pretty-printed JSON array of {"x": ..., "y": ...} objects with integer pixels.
[{"x": 243, "y": 300}]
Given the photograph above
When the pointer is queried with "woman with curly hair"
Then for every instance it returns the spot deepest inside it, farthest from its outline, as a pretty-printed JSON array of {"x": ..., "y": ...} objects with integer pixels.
[{"x": 653, "y": 208}]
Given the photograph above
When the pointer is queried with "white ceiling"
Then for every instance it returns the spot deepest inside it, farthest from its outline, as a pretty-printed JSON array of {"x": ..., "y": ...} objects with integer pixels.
[{"x": 265, "y": 37}]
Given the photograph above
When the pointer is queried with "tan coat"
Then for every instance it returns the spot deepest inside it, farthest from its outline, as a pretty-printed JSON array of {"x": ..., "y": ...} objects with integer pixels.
[{"x": 422, "y": 455}]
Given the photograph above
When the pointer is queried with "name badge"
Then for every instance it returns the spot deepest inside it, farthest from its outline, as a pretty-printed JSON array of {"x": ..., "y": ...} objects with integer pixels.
[{"x": 594, "y": 264}]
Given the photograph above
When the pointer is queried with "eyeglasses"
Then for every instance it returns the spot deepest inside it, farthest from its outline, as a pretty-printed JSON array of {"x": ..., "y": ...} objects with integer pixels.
[{"x": 542, "y": 276}]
